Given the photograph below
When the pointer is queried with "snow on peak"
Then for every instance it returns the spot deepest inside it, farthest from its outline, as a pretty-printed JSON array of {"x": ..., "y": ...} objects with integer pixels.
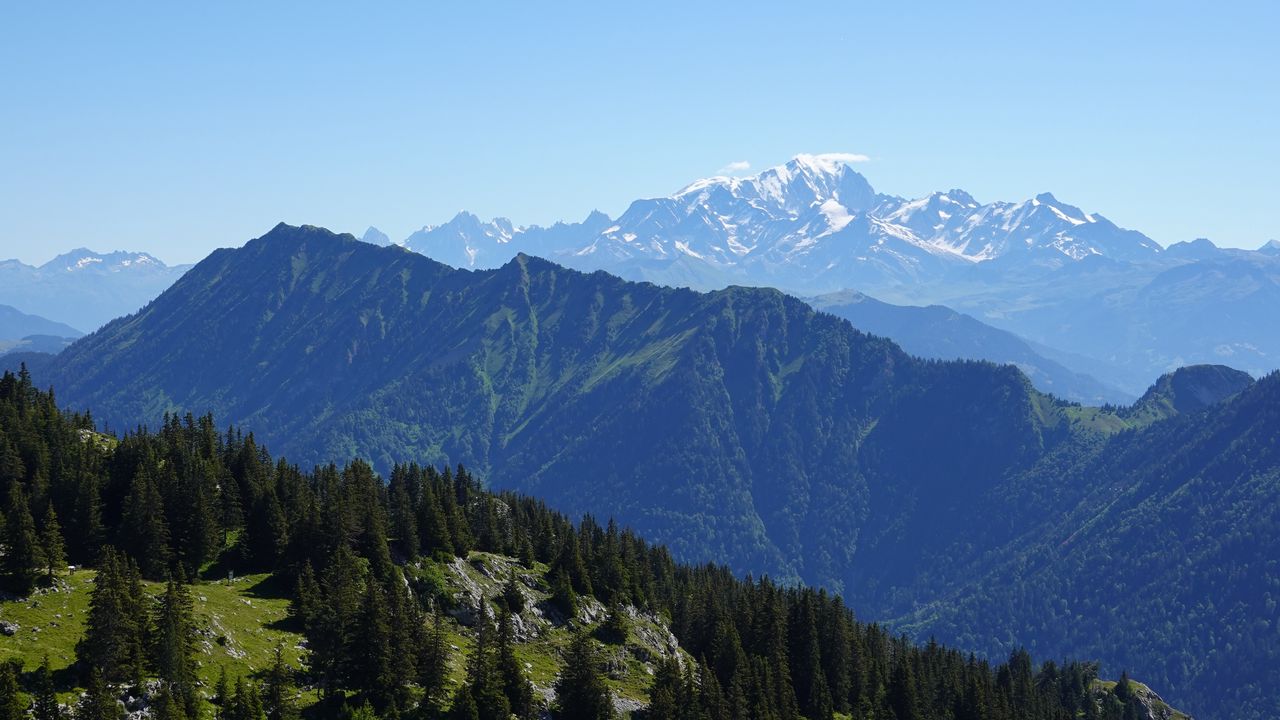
[{"x": 829, "y": 163}]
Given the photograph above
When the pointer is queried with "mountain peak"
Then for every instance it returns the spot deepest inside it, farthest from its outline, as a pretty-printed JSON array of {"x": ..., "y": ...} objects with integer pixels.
[
  {"x": 827, "y": 163},
  {"x": 374, "y": 236},
  {"x": 86, "y": 259},
  {"x": 1270, "y": 247},
  {"x": 1192, "y": 388}
]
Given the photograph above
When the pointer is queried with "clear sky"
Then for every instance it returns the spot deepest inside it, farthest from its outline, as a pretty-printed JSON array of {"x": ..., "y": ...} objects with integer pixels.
[{"x": 176, "y": 128}]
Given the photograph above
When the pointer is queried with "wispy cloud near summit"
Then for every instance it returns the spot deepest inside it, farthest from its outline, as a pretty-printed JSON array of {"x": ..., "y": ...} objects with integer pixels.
[{"x": 737, "y": 166}]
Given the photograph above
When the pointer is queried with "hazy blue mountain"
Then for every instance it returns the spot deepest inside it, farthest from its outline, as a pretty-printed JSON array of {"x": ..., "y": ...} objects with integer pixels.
[
  {"x": 16, "y": 324},
  {"x": 84, "y": 289},
  {"x": 374, "y": 236},
  {"x": 941, "y": 333}
]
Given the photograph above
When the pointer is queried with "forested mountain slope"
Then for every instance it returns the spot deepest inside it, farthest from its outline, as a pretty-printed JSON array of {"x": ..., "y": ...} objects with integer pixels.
[
  {"x": 417, "y": 598},
  {"x": 1159, "y": 549},
  {"x": 739, "y": 424}
]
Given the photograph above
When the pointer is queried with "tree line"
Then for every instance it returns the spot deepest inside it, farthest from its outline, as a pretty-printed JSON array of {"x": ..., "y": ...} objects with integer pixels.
[{"x": 356, "y": 555}]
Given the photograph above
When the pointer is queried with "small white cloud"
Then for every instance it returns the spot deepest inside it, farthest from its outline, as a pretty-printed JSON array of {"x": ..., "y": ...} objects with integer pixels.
[{"x": 734, "y": 167}]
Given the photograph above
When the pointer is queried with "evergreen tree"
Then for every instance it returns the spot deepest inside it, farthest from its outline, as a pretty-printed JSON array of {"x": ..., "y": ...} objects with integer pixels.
[
  {"x": 433, "y": 663},
  {"x": 173, "y": 644},
  {"x": 617, "y": 624},
  {"x": 518, "y": 690},
  {"x": 112, "y": 642},
  {"x": 484, "y": 680},
  {"x": 581, "y": 693},
  {"x": 22, "y": 557},
  {"x": 45, "y": 704},
  {"x": 144, "y": 532},
  {"x": 464, "y": 706},
  {"x": 12, "y": 706},
  {"x": 280, "y": 690},
  {"x": 370, "y": 651},
  {"x": 52, "y": 547},
  {"x": 98, "y": 701},
  {"x": 245, "y": 703},
  {"x": 166, "y": 706}
]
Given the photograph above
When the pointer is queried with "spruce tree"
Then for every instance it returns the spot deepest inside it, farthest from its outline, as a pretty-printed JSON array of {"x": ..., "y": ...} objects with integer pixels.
[
  {"x": 52, "y": 546},
  {"x": 370, "y": 651},
  {"x": 98, "y": 701},
  {"x": 12, "y": 706},
  {"x": 518, "y": 690},
  {"x": 112, "y": 642},
  {"x": 464, "y": 706},
  {"x": 279, "y": 690},
  {"x": 167, "y": 706},
  {"x": 173, "y": 644},
  {"x": 144, "y": 533},
  {"x": 23, "y": 558},
  {"x": 45, "y": 704},
  {"x": 581, "y": 693},
  {"x": 433, "y": 663},
  {"x": 484, "y": 681}
]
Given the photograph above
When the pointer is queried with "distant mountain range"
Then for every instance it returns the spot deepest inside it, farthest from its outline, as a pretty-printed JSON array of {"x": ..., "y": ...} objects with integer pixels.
[
  {"x": 1101, "y": 299},
  {"x": 85, "y": 289},
  {"x": 743, "y": 426},
  {"x": 20, "y": 332},
  {"x": 944, "y": 334}
]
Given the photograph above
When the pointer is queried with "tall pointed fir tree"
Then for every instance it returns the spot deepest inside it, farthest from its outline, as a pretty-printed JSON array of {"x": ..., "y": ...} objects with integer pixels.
[
  {"x": 98, "y": 701},
  {"x": 22, "y": 558},
  {"x": 173, "y": 644},
  {"x": 44, "y": 705},
  {"x": 12, "y": 706},
  {"x": 51, "y": 543},
  {"x": 112, "y": 642},
  {"x": 581, "y": 693}
]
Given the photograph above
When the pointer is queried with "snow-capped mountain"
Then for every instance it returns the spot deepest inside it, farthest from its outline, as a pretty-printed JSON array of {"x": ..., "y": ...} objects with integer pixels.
[
  {"x": 814, "y": 221},
  {"x": 83, "y": 260},
  {"x": 1058, "y": 275},
  {"x": 85, "y": 289}
]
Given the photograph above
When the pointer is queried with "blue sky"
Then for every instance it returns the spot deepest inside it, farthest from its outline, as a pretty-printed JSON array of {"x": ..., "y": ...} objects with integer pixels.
[{"x": 177, "y": 128}]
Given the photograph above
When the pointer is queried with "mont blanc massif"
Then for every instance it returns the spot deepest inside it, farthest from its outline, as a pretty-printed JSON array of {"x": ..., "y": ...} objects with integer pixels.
[{"x": 775, "y": 446}]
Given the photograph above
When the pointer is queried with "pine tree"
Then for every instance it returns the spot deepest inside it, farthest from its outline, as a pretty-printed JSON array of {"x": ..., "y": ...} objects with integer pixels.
[
  {"x": 433, "y": 526},
  {"x": 22, "y": 558},
  {"x": 464, "y": 706},
  {"x": 518, "y": 690},
  {"x": 98, "y": 702},
  {"x": 617, "y": 624},
  {"x": 88, "y": 532},
  {"x": 12, "y": 706},
  {"x": 484, "y": 681},
  {"x": 280, "y": 690},
  {"x": 580, "y": 690},
  {"x": 166, "y": 706},
  {"x": 144, "y": 533},
  {"x": 51, "y": 545},
  {"x": 433, "y": 663},
  {"x": 370, "y": 651},
  {"x": 245, "y": 704},
  {"x": 112, "y": 642},
  {"x": 221, "y": 689},
  {"x": 45, "y": 704},
  {"x": 173, "y": 644}
]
